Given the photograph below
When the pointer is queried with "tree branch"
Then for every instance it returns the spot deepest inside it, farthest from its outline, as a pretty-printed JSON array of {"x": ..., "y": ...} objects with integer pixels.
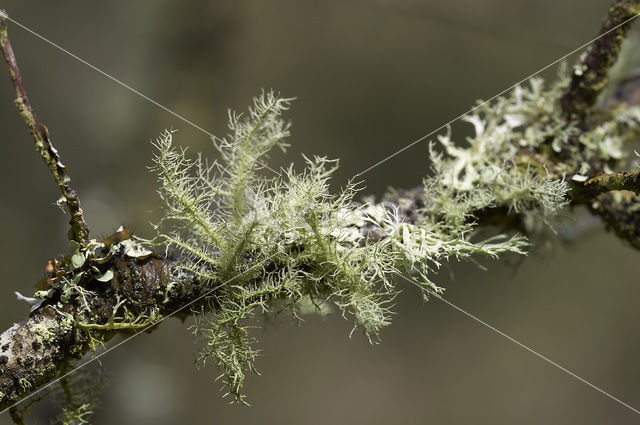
[
  {"x": 589, "y": 190},
  {"x": 33, "y": 351},
  {"x": 590, "y": 76},
  {"x": 143, "y": 291},
  {"x": 79, "y": 231}
]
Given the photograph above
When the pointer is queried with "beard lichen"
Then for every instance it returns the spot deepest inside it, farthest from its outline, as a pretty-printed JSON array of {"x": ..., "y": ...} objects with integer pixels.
[{"x": 264, "y": 241}]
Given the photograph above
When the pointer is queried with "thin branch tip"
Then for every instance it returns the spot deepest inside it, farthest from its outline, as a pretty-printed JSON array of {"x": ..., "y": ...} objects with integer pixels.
[{"x": 79, "y": 229}]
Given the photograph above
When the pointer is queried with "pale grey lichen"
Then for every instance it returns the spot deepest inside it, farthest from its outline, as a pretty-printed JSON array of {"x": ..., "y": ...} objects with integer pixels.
[
  {"x": 486, "y": 173},
  {"x": 263, "y": 241}
]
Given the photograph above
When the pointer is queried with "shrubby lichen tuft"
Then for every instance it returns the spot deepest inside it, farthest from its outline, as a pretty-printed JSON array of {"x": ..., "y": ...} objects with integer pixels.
[
  {"x": 516, "y": 138},
  {"x": 263, "y": 241},
  {"x": 494, "y": 170}
]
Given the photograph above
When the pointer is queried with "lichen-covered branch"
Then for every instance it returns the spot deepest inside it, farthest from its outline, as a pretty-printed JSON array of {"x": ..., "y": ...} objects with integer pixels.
[
  {"x": 37, "y": 349},
  {"x": 142, "y": 290},
  {"x": 244, "y": 243},
  {"x": 614, "y": 197},
  {"x": 79, "y": 231},
  {"x": 621, "y": 213},
  {"x": 590, "y": 75},
  {"x": 589, "y": 190}
]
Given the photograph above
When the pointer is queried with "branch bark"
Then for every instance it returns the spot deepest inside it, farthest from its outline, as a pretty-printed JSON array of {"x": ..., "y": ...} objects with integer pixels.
[
  {"x": 628, "y": 180},
  {"x": 33, "y": 351},
  {"x": 590, "y": 76},
  {"x": 79, "y": 231}
]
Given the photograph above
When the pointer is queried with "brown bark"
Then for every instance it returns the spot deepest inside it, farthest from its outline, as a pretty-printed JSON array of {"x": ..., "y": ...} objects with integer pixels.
[
  {"x": 79, "y": 230},
  {"x": 590, "y": 75},
  {"x": 35, "y": 350}
]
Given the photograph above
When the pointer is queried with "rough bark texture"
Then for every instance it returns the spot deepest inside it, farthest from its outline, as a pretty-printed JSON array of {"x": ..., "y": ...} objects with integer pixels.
[
  {"x": 590, "y": 76},
  {"x": 619, "y": 210},
  {"x": 33, "y": 351}
]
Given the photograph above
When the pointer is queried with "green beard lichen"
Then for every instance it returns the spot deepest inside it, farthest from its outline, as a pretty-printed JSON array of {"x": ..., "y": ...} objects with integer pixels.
[{"x": 284, "y": 240}]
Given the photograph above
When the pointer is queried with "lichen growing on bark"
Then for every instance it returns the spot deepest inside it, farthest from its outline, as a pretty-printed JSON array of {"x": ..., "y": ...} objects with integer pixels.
[
  {"x": 306, "y": 244},
  {"x": 250, "y": 242}
]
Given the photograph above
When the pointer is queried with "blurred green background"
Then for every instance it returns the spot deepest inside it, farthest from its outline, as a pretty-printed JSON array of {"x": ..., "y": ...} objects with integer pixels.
[{"x": 370, "y": 76}]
